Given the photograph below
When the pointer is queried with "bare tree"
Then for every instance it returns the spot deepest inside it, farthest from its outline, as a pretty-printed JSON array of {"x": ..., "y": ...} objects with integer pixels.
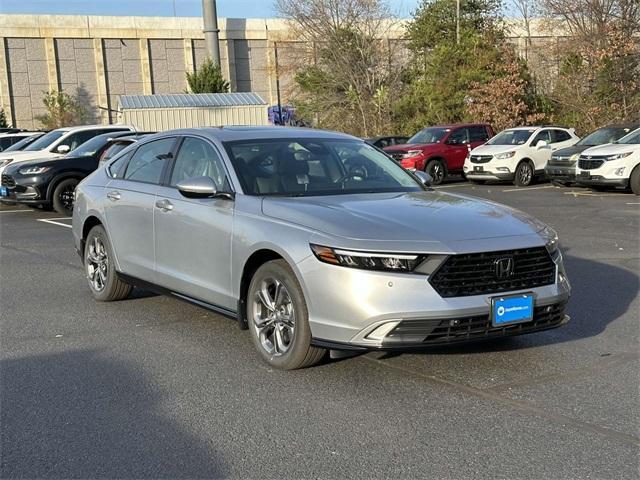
[
  {"x": 348, "y": 77},
  {"x": 526, "y": 11},
  {"x": 598, "y": 61}
]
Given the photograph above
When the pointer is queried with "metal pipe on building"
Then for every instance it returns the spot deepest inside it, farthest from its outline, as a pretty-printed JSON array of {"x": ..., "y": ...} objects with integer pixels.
[{"x": 211, "y": 30}]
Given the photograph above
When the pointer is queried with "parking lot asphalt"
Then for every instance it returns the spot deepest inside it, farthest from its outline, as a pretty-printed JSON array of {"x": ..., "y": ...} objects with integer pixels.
[{"x": 152, "y": 387}]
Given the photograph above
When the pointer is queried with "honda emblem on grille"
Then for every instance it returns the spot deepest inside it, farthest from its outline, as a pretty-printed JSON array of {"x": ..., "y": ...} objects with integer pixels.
[{"x": 504, "y": 267}]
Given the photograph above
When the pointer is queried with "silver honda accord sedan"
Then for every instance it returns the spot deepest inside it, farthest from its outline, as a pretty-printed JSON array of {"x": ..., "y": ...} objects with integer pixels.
[{"x": 314, "y": 241}]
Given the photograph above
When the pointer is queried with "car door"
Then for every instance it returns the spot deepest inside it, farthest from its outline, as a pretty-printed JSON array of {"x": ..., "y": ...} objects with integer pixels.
[
  {"x": 129, "y": 206},
  {"x": 457, "y": 145},
  {"x": 541, "y": 154},
  {"x": 193, "y": 235}
]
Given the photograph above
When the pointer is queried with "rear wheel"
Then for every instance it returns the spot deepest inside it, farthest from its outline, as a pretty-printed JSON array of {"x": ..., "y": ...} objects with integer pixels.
[
  {"x": 63, "y": 196},
  {"x": 278, "y": 318},
  {"x": 634, "y": 180},
  {"x": 100, "y": 268},
  {"x": 524, "y": 174},
  {"x": 437, "y": 170}
]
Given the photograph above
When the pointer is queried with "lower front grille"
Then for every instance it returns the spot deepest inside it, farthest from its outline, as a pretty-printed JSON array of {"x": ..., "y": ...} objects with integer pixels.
[
  {"x": 8, "y": 181},
  {"x": 451, "y": 330}
]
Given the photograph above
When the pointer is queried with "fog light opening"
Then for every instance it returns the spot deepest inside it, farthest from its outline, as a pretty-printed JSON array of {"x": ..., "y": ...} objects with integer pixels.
[{"x": 382, "y": 331}]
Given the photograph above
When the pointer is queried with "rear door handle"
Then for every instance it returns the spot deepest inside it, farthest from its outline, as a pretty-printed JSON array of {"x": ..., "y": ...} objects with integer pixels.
[
  {"x": 113, "y": 196},
  {"x": 164, "y": 205}
]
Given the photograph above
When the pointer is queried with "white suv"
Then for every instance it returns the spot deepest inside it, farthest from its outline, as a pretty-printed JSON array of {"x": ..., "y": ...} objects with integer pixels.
[
  {"x": 615, "y": 164},
  {"x": 517, "y": 154},
  {"x": 57, "y": 143}
]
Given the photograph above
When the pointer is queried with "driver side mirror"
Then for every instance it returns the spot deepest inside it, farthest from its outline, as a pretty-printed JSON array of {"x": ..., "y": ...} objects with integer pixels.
[
  {"x": 424, "y": 177},
  {"x": 198, "y": 187},
  {"x": 541, "y": 144},
  {"x": 63, "y": 149}
]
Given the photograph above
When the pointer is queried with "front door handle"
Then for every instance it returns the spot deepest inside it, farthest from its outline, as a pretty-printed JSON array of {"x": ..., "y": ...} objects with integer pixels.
[
  {"x": 113, "y": 196},
  {"x": 164, "y": 205}
]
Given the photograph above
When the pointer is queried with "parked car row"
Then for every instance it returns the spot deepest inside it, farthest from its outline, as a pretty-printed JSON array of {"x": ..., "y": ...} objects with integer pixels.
[
  {"x": 46, "y": 171},
  {"x": 608, "y": 157}
]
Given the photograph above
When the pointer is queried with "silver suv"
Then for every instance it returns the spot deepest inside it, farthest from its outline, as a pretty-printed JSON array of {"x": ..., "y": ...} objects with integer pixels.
[{"x": 314, "y": 241}]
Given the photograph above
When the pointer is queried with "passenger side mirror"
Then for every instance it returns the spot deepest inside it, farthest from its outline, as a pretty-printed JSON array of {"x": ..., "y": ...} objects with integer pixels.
[
  {"x": 541, "y": 144},
  {"x": 424, "y": 177},
  {"x": 198, "y": 187},
  {"x": 63, "y": 149}
]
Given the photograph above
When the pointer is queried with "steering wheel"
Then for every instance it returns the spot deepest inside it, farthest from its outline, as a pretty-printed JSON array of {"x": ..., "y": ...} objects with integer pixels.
[{"x": 356, "y": 173}]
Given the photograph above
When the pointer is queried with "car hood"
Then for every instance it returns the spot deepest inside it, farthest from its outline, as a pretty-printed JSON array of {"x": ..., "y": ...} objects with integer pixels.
[
  {"x": 568, "y": 151},
  {"x": 22, "y": 156},
  {"x": 494, "y": 149},
  {"x": 405, "y": 147},
  {"x": 405, "y": 220},
  {"x": 611, "y": 149}
]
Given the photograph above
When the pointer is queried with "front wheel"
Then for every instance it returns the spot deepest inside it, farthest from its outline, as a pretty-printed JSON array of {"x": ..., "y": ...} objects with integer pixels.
[
  {"x": 437, "y": 170},
  {"x": 524, "y": 174},
  {"x": 634, "y": 180},
  {"x": 63, "y": 196},
  {"x": 278, "y": 318}
]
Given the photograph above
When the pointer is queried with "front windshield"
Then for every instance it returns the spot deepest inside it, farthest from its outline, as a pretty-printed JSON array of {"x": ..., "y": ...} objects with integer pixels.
[
  {"x": 512, "y": 137},
  {"x": 90, "y": 147},
  {"x": 633, "y": 138},
  {"x": 429, "y": 135},
  {"x": 45, "y": 140},
  {"x": 310, "y": 166},
  {"x": 604, "y": 135},
  {"x": 22, "y": 143}
]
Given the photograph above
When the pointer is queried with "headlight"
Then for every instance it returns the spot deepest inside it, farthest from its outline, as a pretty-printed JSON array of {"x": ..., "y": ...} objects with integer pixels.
[
  {"x": 412, "y": 153},
  {"x": 574, "y": 158},
  {"x": 4, "y": 163},
  {"x": 33, "y": 170},
  {"x": 618, "y": 156},
  {"x": 551, "y": 237},
  {"x": 390, "y": 262},
  {"x": 505, "y": 155}
]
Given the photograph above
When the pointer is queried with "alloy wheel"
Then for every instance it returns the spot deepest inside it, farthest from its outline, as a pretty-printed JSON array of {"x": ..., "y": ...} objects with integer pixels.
[
  {"x": 67, "y": 197},
  {"x": 97, "y": 264},
  {"x": 273, "y": 316},
  {"x": 525, "y": 174}
]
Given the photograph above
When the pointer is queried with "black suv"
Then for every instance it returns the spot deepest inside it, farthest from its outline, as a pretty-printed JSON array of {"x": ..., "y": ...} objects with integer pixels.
[{"x": 51, "y": 183}]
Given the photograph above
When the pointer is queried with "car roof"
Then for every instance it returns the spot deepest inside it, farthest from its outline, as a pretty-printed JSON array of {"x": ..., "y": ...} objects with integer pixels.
[
  {"x": 459, "y": 125},
  {"x": 80, "y": 128},
  {"x": 236, "y": 133},
  {"x": 133, "y": 138}
]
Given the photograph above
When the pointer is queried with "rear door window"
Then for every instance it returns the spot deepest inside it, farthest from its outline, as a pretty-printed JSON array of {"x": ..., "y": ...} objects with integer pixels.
[
  {"x": 478, "y": 134},
  {"x": 149, "y": 161}
]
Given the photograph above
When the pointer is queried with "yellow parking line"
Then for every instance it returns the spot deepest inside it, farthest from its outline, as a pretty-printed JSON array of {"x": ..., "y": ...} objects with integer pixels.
[{"x": 521, "y": 189}]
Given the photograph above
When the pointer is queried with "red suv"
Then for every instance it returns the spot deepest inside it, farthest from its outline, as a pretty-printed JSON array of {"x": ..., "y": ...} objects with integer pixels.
[{"x": 442, "y": 149}]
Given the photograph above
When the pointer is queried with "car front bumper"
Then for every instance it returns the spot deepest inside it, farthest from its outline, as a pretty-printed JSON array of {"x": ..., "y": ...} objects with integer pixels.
[
  {"x": 356, "y": 314},
  {"x": 599, "y": 180},
  {"x": 489, "y": 175},
  {"x": 25, "y": 189},
  {"x": 560, "y": 173}
]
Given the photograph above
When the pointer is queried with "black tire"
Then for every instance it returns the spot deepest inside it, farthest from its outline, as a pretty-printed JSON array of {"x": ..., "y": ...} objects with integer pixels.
[
  {"x": 634, "y": 180},
  {"x": 437, "y": 169},
  {"x": 299, "y": 352},
  {"x": 63, "y": 196},
  {"x": 113, "y": 287},
  {"x": 524, "y": 174}
]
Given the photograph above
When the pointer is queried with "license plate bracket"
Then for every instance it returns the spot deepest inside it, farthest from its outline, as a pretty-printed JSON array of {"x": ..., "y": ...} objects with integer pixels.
[
  {"x": 512, "y": 309},
  {"x": 477, "y": 168}
]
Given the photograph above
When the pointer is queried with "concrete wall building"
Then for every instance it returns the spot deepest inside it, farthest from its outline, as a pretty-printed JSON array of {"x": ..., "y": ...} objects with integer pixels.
[{"x": 100, "y": 58}]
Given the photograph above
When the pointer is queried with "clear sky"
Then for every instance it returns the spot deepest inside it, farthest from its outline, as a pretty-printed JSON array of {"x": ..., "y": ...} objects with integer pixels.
[{"x": 185, "y": 8}]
